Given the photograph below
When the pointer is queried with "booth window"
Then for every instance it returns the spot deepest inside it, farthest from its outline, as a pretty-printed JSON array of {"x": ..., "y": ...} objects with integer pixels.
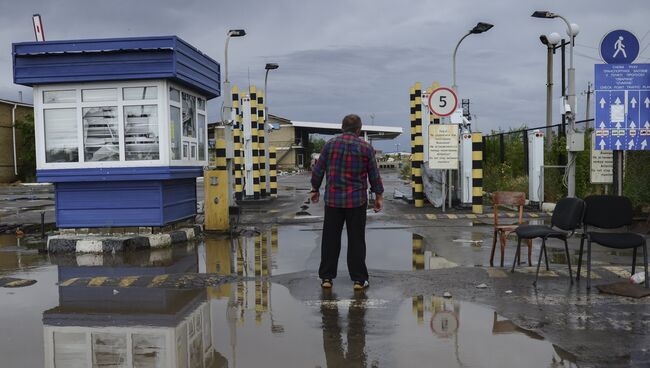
[
  {"x": 61, "y": 135},
  {"x": 189, "y": 115},
  {"x": 174, "y": 94},
  {"x": 101, "y": 134},
  {"x": 202, "y": 136},
  {"x": 140, "y": 93},
  {"x": 175, "y": 131},
  {"x": 64, "y": 96},
  {"x": 99, "y": 94},
  {"x": 141, "y": 133}
]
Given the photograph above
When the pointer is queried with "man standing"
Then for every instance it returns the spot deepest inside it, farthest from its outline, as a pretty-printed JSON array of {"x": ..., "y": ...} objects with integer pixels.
[{"x": 350, "y": 164}]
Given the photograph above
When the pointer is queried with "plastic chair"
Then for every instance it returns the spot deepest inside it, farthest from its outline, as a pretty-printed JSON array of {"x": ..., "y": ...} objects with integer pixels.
[
  {"x": 567, "y": 217},
  {"x": 502, "y": 231},
  {"x": 611, "y": 212}
]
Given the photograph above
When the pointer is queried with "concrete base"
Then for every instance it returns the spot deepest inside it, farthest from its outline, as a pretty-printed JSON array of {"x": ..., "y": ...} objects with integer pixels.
[{"x": 98, "y": 243}]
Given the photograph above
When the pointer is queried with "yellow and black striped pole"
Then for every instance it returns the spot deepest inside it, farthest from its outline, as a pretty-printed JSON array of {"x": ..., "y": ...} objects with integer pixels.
[
  {"x": 477, "y": 172},
  {"x": 237, "y": 146},
  {"x": 412, "y": 118},
  {"x": 255, "y": 143},
  {"x": 220, "y": 153},
  {"x": 435, "y": 119},
  {"x": 418, "y": 150},
  {"x": 261, "y": 132},
  {"x": 418, "y": 252},
  {"x": 273, "y": 171}
]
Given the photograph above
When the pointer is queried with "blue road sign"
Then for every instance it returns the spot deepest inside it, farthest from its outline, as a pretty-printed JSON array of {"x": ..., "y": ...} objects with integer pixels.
[
  {"x": 619, "y": 47},
  {"x": 622, "y": 98}
]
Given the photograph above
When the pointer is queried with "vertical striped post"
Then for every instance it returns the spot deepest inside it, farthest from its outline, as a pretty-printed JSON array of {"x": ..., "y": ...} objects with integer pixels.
[
  {"x": 220, "y": 153},
  {"x": 418, "y": 150},
  {"x": 418, "y": 252},
  {"x": 237, "y": 146},
  {"x": 255, "y": 143},
  {"x": 273, "y": 171},
  {"x": 274, "y": 240},
  {"x": 412, "y": 118},
  {"x": 477, "y": 172},
  {"x": 261, "y": 132},
  {"x": 435, "y": 119}
]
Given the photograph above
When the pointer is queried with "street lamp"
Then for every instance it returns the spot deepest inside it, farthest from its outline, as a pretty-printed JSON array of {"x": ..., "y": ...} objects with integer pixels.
[
  {"x": 480, "y": 27},
  {"x": 550, "y": 41},
  {"x": 267, "y": 128},
  {"x": 231, "y": 33},
  {"x": 572, "y": 31}
]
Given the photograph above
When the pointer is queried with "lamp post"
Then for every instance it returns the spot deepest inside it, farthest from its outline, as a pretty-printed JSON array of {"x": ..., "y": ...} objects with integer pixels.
[
  {"x": 480, "y": 27},
  {"x": 572, "y": 31},
  {"x": 267, "y": 67},
  {"x": 550, "y": 41},
  {"x": 227, "y": 109}
]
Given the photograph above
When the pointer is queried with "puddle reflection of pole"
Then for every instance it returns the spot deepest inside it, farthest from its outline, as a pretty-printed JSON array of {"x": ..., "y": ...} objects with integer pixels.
[{"x": 335, "y": 355}]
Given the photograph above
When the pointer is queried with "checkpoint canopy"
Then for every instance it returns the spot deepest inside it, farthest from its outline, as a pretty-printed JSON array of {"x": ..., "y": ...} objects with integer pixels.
[{"x": 622, "y": 96}]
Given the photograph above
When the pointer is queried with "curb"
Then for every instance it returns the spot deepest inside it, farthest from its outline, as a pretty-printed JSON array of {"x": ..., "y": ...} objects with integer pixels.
[{"x": 108, "y": 244}]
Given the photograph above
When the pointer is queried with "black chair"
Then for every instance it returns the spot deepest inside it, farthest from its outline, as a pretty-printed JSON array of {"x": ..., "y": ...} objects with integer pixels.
[
  {"x": 610, "y": 212},
  {"x": 566, "y": 218}
]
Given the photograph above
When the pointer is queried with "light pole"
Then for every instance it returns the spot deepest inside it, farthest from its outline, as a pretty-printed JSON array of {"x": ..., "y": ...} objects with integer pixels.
[
  {"x": 572, "y": 31},
  {"x": 550, "y": 41},
  {"x": 267, "y": 67},
  {"x": 480, "y": 27},
  {"x": 226, "y": 111}
]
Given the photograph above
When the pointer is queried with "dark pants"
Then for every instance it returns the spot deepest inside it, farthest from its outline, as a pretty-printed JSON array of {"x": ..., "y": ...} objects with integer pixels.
[{"x": 355, "y": 221}]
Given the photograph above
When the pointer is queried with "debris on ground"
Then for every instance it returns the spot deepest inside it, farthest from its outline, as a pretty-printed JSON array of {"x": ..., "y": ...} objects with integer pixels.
[
  {"x": 446, "y": 294},
  {"x": 481, "y": 286}
]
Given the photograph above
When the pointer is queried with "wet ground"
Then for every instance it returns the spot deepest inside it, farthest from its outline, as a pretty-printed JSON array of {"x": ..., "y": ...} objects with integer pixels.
[{"x": 254, "y": 300}]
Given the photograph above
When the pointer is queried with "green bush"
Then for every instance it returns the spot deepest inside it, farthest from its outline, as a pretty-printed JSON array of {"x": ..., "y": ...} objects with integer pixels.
[{"x": 26, "y": 150}]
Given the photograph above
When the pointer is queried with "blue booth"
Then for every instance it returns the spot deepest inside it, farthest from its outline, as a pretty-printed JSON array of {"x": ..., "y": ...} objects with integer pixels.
[{"x": 120, "y": 126}]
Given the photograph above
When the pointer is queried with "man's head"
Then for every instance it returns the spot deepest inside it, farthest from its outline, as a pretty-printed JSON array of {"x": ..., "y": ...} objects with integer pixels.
[{"x": 351, "y": 124}]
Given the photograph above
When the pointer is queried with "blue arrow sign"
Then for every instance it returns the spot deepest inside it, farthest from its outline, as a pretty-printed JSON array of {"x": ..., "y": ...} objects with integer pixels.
[
  {"x": 622, "y": 99},
  {"x": 619, "y": 47}
]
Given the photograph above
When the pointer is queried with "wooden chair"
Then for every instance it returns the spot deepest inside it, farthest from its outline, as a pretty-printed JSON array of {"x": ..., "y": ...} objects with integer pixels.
[{"x": 502, "y": 231}]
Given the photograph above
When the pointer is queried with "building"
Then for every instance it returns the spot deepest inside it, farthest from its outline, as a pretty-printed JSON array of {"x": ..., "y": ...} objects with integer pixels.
[
  {"x": 291, "y": 138},
  {"x": 11, "y": 150},
  {"x": 120, "y": 126}
]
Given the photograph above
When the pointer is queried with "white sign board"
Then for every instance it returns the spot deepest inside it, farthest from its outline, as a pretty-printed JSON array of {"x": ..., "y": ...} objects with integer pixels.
[
  {"x": 443, "y": 146},
  {"x": 601, "y": 164},
  {"x": 443, "y": 101}
]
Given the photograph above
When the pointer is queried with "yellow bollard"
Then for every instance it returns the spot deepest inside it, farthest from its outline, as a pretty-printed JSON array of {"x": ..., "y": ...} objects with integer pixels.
[
  {"x": 216, "y": 201},
  {"x": 477, "y": 172}
]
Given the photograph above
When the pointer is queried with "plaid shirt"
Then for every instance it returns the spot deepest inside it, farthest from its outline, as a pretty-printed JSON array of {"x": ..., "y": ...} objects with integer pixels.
[{"x": 349, "y": 163}]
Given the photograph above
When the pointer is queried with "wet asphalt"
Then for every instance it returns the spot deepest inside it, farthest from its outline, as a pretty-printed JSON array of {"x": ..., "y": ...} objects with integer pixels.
[{"x": 253, "y": 299}]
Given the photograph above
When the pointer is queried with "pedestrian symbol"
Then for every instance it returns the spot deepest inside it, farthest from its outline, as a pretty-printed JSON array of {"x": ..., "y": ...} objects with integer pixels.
[{"x": 619, "y": 47}]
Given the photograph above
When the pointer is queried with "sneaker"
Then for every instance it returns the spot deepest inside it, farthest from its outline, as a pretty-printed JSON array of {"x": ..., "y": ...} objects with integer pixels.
[
  {"x": 360, "y": 285},
  {"x": 326, "y": 283}
]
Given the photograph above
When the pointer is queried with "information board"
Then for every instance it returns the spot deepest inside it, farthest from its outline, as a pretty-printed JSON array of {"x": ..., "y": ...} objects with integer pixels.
[
  {"x": 443, "y": 146},
  {"x": 601, "y": 164}
]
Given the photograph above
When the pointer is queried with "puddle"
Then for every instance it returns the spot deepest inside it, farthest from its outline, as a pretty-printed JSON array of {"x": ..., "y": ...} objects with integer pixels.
[{"x": 250, "y": 324}]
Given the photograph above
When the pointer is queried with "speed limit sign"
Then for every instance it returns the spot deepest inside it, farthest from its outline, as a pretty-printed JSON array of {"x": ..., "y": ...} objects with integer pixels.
[{"x": 443, "y": 101}]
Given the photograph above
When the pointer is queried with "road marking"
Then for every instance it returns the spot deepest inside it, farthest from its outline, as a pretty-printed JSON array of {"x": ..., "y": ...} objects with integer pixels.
[
  {"x": 619, "y": 271},
  {"x": 495, "y": 273},
  {"x": 411, "y": 217},
  {"x": 69, "y": 282},
  {"x": 127, "y": 281},
  {"x": 471, "y": 216},
  {"x": 157, "y": 281},
  {"x": 97, "y": 281},
  {"x": 431, "y": 216},
  {"x": 533, "y": 215},
  {"x": 453, "y": 217}
]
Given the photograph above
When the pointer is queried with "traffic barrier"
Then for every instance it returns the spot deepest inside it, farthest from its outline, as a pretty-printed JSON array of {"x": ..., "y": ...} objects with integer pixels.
[
  {"x": 261, "y": 132},
  {"x": 255, "y": 143},
  {"x": 273, "y": 171},
  {"x": 477, "y": 172},
  {"x": 237, "y": 146}
]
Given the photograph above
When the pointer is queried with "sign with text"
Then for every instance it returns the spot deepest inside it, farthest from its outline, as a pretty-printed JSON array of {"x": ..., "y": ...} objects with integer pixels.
[
  {"x": 443, "y": 146},
  {"x": 601, "y": 164}
]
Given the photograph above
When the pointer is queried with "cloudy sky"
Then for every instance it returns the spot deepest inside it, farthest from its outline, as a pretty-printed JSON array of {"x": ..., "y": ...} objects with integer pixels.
[{"x": 355, "y": 56}]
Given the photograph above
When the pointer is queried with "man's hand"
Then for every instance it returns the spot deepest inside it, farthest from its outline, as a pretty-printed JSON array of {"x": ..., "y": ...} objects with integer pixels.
[
  {"x": 314, "y": 195},
  {"x": 379, "y": 202}
]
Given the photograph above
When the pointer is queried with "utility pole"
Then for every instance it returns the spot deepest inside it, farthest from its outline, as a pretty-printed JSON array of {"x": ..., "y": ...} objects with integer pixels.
[{"x": 588, "y": 92}]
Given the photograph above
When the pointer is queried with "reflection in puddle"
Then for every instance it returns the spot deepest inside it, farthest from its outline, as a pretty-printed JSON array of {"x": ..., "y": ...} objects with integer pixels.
[{"x": 427, "y": 259}]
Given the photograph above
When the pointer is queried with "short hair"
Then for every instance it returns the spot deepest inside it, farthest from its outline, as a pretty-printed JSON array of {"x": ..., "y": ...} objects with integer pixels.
[{"x": 351, "y": 123}]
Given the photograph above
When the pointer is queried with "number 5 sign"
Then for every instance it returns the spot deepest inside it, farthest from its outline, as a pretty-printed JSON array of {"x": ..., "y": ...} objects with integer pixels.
[{"x": 443, "y": 101}]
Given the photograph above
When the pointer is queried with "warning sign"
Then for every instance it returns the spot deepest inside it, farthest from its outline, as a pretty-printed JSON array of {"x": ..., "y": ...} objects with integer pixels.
[
  {"x": 443, "y": 146},
  {"x": 601, "y": 164}
]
